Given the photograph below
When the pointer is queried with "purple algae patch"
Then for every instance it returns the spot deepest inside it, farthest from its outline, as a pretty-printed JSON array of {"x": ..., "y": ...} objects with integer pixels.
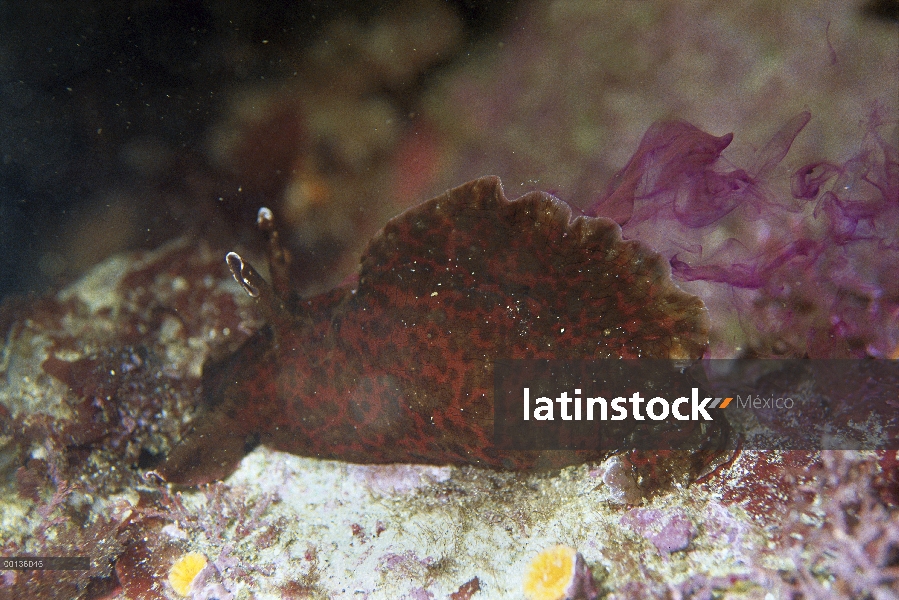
[
  {"x": 804, "y": 260},
  {"x": 668, "y": 530}
]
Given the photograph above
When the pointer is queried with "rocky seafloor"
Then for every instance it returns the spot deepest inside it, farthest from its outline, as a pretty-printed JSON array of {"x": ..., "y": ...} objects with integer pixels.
[{"x": 788, "y": 236}]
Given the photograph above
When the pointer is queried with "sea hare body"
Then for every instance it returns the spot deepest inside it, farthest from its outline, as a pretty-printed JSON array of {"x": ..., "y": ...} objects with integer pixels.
[{"x": 400, "y": 368}]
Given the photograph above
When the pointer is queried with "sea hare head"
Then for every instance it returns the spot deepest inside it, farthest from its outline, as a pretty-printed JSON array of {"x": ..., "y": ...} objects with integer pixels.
[{"x": 400, "y": 369}]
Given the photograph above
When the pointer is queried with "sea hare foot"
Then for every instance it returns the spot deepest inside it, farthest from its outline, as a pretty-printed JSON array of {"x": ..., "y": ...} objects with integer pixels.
[{"x": 399, "y": 369}]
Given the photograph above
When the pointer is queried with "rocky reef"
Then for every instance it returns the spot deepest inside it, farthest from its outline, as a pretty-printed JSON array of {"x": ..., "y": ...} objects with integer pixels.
[{"x": 784, "y": 228}]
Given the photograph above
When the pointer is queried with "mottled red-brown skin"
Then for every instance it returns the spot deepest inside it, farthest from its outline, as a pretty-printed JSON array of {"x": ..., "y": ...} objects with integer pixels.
[{"x": 400, "y": 368}]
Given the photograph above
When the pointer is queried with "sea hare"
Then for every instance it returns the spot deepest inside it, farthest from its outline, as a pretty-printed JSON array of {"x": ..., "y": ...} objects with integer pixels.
[{"x": 399, "y": 369}]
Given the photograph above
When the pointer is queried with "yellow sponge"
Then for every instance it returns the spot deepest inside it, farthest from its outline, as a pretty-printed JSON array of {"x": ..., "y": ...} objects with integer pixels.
[
  {"x": 185, "y": 570},
  {"x": 551, "y": 574}
]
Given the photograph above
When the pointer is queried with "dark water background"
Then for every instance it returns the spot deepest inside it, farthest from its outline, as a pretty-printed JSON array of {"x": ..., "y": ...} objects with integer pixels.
[{"x": 104, "y": 108}]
